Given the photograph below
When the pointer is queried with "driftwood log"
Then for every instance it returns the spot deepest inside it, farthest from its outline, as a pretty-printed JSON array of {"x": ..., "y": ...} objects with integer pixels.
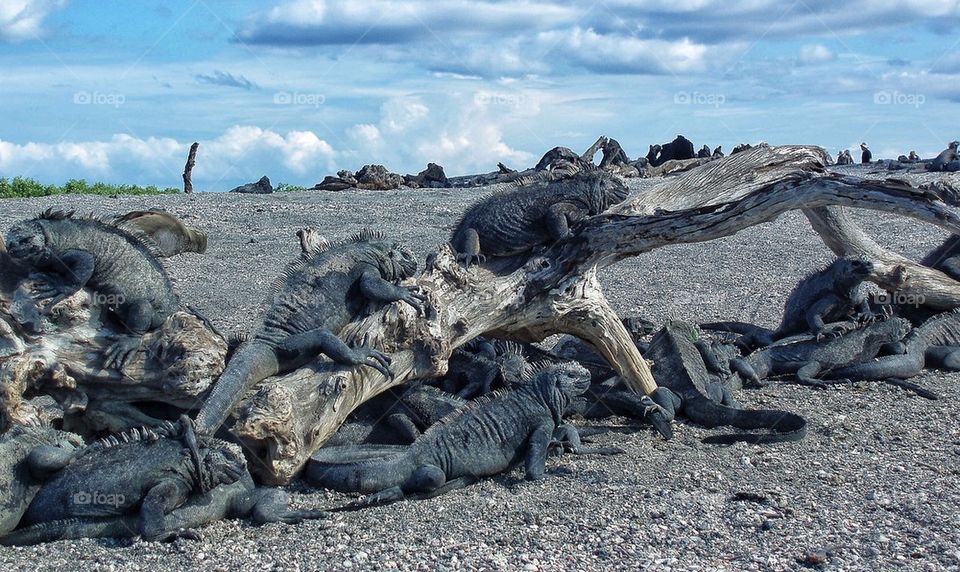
[
  {"x": 288, "y": 417},
  {"x": 557, "y": 291}
]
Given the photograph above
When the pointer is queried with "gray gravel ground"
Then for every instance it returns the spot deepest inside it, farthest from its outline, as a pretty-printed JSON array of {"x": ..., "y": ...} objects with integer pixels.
[{"x": 872, "y": 487}]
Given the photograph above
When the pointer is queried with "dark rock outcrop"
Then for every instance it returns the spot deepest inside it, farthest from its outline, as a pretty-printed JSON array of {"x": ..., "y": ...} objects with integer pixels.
[{"x": 261, "y": 187}]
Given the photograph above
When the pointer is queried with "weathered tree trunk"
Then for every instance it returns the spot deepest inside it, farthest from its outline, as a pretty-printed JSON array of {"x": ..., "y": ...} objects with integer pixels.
[
  {"x": 172, "y": 371},
  {"x": 291, "y": 416},
  {"x": 188, "y": 168},
  {"x": 591, "y": 151}
]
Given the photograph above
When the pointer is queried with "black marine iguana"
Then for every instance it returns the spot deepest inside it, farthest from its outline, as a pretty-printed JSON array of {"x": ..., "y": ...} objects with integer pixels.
[
  {"x": 935, "y": 343},
  {"x": 120, "y": 268},
  {"x": 830, "y": 295},
  {"x": 517, "y": 221},
  {"x": 397, "y": 416},
  {"x": 497, "y": 432},
  {"x": 146, "y": 482},
  {"x": 18, "y": 485},
  {"x": 317, "y": 296},
  {"x": 807, "y": 357},
  {"x": 679, "y": 366}
]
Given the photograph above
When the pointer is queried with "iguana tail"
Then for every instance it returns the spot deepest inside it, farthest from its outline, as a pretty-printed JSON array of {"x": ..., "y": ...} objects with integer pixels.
[
  {"x": 72, "y": 529},
  {"x": 782, "y": 425},
  {"x": 361, "y": 469},
  {"x": 252, "y": 363}
]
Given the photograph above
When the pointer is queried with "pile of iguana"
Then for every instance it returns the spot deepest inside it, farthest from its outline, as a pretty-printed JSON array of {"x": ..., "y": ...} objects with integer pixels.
[
  {"x": 517, "y": 221},
  {"x": 934, "y": 343},
  {"x": 150, "y": 482},
  {"x": 829, "y": 296},
  {"x": 808, "y": 358},
  {"x": 317, "y": 296},
  {"x": 497, "y": 432},
  {"x": 69, "y": 253}
]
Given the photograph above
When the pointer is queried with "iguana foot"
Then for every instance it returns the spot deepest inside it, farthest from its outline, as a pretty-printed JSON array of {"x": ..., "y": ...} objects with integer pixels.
[
  {"x": 384, "y": 497},
  {"x": 121, "y": 351},
  {"x": 50, "y": 294},
  {"x": 416, "y": 300},
  {"x": 468, "y": 259},
  {"x": 660, "y": 409},
  {"x": 298, "y": 516},
  {"x": 182, "y": 534},
  {"x": 820, "y": 384},
  {"x": 362, "y": 355}
]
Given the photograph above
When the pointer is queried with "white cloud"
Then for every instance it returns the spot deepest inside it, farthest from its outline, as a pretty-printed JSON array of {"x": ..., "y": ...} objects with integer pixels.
[
  {"x": 616, "y": 53},
  {"x": 22, "y": 19},
  {"x": 464, "y": 132},
  {"x": 816, "y": 54},
  {"x": 239, "y": 154}
]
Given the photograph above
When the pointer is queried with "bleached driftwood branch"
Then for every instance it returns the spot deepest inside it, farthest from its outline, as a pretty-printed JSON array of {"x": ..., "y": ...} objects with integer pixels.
[{"x": 556, "y": 291}]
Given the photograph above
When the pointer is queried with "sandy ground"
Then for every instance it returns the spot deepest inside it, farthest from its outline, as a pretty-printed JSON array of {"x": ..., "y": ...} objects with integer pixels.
[{"x": 872, "y": 487}]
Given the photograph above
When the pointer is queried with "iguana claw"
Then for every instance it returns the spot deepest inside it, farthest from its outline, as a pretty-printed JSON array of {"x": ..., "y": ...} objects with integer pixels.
[
  {"x": 373, "y": 358},
  {"x": 660, "y": 409},
  {"x": 121, "y": 351}
]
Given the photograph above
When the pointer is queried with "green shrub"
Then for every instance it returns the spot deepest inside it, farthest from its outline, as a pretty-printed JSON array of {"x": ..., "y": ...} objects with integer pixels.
[
  {"x": 288, "y": 188},
  {"x": 24, "y": 187}
]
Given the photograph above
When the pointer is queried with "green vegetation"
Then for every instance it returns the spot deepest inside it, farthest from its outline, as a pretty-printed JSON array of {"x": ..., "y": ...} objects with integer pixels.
[
  {"x": 23, "y": 187},
  {"x": 288, "y": 188}
]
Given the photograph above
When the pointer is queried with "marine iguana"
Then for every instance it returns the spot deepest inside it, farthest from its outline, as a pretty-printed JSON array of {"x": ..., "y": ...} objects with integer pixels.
[
  {"x": 146, "y": 482},
  {"x": 830, "y": 295},
  {"x": 124, "y": 273},
  {"x": 497, "y": 432},
  {"x": 315, "y": 298},
  {"x": 397, "y": 416},
  {"x": 678, "y": 366},
  {"x": 517, "y": 221},
  {"x": 807, "y": 357},
  {"x": 171, "y": 236},
  {"x": 935, "y": 343},
  {"x": 18, "y": 485},
  {"x": 946, "y": 257}
]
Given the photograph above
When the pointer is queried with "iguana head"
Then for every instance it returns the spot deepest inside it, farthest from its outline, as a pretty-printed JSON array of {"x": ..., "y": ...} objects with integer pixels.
[
  {"x": 396, "y": 262},
  {"x": 558, "y": 384},
  {"x": 603, "y": 190},
  {"x": 222, "y": 463},
  {"x": 27, "y": 243},
  {"x": 853, "y": 269}
]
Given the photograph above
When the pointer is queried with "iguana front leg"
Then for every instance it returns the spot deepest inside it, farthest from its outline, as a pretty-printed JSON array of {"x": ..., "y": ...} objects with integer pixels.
[
  {"x": 538, "y": 446},
  {"x": 137, "y": 319},
  {"x": 301, "y": 348},
  {"x": 160, "y": 500},
  {"x": 807, "y": 374},
  {"x": 374, "y": 287},
  {"x": 559, "y": 218},
  {"x": 74, "y": 268}
]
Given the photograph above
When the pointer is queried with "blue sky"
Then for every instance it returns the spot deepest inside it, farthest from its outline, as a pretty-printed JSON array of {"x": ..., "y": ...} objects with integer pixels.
[{"x": 297, "y": 89}]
